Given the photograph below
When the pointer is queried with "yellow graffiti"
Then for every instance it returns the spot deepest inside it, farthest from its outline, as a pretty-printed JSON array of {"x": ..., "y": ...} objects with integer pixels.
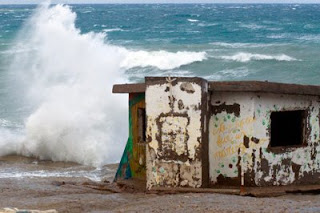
[
  {"x": 231, "y": 131},
  {"x": 229, "y": 136},
  {"x": 230, "y": 150},
  {"x": 234, "y": 148}
]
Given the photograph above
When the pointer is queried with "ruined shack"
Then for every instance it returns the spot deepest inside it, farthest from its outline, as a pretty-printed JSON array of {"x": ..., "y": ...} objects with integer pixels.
[{"x": 194, "y": 133}]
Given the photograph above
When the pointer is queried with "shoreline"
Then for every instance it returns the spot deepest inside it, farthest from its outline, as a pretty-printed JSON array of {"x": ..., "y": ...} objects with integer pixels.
[{"x": 80, "y": 194}]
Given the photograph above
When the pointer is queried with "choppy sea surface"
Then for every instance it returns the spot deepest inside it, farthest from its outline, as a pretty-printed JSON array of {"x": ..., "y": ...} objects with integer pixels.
[{"x": 58, "y": 64}]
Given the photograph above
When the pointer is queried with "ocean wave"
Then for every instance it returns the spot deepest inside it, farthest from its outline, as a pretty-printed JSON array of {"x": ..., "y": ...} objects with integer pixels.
[
  {"x": 279, "y": 36},
  {"x": 239, "y": 7},
  {"x": 243, "y": 45},
  {"x": 274, "y": 28},
  {"x": 309, "y": 26},
  {"x": 192, "y": 20},
  {"x": 75, "y": 171},
  {"x": 299, "y": 37},
  {"x": 112, "y": 30},
  {"x": 246, "y": 57},
  {"x": 66, "y": 78},
  {"x": 309, "y": 37},
  {"x": 252, "y": 26},
  {"x": 207, "y": 24},
  {"x": 258, "y": 27},
  {"x": 163, "y": 60}
]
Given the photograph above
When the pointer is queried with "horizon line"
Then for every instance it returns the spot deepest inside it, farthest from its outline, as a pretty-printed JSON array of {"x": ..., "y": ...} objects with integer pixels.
[{"x": 139, "y": 3}]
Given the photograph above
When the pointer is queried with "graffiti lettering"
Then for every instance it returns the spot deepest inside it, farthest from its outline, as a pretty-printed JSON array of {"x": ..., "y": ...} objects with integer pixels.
[{"x": 228, "y": 135}]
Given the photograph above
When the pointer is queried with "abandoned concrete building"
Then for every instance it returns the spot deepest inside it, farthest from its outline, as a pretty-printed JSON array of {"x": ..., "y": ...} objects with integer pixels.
[{"x": 189, "y": 132}]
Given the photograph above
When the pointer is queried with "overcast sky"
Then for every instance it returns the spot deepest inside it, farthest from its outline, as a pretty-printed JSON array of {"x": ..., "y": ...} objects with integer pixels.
[{"x": 156, "y": 1}]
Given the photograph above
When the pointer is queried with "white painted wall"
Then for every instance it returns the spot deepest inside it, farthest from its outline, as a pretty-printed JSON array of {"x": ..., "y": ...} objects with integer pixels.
[
  {"x": 226, "y": 133},
  {"x": 181, "y": 131}
]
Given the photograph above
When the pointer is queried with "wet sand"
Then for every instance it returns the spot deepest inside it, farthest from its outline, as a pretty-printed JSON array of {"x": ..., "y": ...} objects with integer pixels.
[{"x": 80, "y": 194}]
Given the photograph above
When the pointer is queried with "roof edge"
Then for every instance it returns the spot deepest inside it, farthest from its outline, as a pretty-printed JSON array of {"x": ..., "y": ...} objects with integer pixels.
[
  {"x": 129, "y": 88},
  {"x": 264, "y": 86},
  {"x": 236, "y": 86}
]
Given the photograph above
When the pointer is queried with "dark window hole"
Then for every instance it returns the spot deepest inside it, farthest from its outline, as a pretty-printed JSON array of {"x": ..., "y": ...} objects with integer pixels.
[{"x": 287, "y": 128}]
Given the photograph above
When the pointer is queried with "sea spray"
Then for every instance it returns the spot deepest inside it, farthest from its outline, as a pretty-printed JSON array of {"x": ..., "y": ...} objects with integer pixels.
[
  {"x": 67, "y": 78},
  {"x": 62, "y": 80}
]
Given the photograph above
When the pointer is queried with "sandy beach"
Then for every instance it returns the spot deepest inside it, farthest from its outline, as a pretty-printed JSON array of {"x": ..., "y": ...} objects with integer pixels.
[{"x": 80, "y": 194}]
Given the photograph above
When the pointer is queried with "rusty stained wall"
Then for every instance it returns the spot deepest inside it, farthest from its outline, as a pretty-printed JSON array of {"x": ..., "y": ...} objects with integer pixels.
[
  {"x": 239, "y": 135},
  {"x": 174, "y": 132}
]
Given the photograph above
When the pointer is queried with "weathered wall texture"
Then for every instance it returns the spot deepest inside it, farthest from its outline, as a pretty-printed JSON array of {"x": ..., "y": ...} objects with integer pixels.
[
  {"x": 231, "y": 119},
  {"x": 175, "y": 117},
  {"x": 239, "y": 135},
  {"x": 132, "y": 164}
]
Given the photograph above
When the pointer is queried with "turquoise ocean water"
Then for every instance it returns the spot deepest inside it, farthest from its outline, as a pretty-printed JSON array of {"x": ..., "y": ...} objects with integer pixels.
[{"x": 54, "y": 59}]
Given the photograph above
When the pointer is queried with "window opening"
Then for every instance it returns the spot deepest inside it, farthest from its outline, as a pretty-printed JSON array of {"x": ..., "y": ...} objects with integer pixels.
[{"x": 287, "y": 128}]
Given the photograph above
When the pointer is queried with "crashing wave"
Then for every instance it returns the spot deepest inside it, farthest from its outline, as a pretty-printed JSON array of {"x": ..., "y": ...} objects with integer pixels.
[{"x": 246, "y": 57}]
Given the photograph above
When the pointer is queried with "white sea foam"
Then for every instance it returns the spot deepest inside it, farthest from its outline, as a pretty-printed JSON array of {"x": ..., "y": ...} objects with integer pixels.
[
  {"x": 207, "y": 24},
  {"x": 309, "y": 26},
  {"x": 243, "y": 45},
  {"x": 87, "y": 11},
  {"x": 252, "y": 26},
  {"x": 246, "y": 57},
  {"x": 302, "y": 37},
  {"x": 239, "y": 7},
  {"x": 65, "y": 78},
  {"x": 163, "y": 60},
  {"x": 192, "y": 20},
  {"x": 18, "y": 173},
  {"x": 112, "y": 30},
  {"x": 309, "y": 37},
  {"x": 279, "y": 36}
]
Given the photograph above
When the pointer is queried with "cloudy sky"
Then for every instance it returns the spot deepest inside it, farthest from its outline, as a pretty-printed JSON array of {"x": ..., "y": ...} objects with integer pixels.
[{"x": 156, "y": 1}]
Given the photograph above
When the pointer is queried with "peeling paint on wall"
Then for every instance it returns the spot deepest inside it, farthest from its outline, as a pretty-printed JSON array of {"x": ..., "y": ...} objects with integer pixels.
[
  {"x": 230, "y": 123},
  {"x": 243, "y": 142},
  {"x": 174, "y": 132}
]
